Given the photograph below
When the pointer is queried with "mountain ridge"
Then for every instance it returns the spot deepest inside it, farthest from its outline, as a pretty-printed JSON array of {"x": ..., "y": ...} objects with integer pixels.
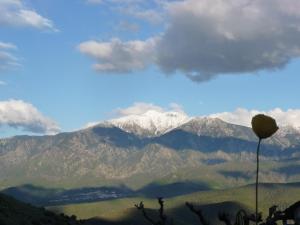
[
  {"x": 150, "y": 123},
  {"x": 106, "y": 154}
]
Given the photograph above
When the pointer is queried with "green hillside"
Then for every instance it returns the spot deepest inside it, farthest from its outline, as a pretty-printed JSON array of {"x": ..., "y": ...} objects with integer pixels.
[
  {"x": 13, "y": 212},
  {"x": 123, "y": 210}
]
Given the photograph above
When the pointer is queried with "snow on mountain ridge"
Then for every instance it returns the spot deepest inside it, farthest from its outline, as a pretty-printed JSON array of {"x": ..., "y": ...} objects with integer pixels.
[
  {"x": 287, "y": 130},
  {"x": 153, "y": 121}
]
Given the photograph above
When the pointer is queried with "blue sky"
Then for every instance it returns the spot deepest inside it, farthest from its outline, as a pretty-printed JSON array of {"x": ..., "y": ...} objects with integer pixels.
[{"x": 64, "y": 64}]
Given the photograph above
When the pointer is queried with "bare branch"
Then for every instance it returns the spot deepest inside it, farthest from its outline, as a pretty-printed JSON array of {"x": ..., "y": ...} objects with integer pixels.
[
  {"x": 225, "y": 218},
  {"x": 162, "y": 216},
  {"x": 198, "y": 212},
  {"x": 142, "y": 208}
]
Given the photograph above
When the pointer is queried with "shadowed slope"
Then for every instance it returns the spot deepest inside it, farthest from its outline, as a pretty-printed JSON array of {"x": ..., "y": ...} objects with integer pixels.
[
  {"x": 41, "y": 196},
  {"x": 13, "y": 212}
]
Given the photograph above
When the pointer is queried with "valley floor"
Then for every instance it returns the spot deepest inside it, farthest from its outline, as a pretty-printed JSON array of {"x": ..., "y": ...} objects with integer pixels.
[{"x": 122, "y": 211}]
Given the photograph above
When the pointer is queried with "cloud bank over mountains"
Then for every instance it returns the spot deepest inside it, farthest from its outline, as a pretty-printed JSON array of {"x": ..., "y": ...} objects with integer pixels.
[
  {"x": 290, "y": 117},
  {"x": 140, "y": 111},
  {"x": 22, "y": 115},
  {"x": 204, "y": 39},
  {"x": 139, "y": 108},
  {"x": 146, "y": 115}
]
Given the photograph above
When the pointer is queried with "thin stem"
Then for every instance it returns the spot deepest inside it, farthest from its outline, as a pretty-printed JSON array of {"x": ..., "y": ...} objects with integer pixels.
[{"x": 256, "y": 184}]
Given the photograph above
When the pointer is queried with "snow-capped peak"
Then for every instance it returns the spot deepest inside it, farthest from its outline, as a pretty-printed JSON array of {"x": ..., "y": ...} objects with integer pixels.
[
  {"x": 151, "y": 122},
  {"x": 287, "y": 130}
]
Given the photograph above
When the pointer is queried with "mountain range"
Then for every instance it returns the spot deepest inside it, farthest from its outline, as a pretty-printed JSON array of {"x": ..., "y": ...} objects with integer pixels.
[{"x": 162, "y": 147}]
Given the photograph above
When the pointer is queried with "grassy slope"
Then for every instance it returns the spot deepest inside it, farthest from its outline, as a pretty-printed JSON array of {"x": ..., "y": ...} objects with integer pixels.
[{"x": 269, "y": 194}]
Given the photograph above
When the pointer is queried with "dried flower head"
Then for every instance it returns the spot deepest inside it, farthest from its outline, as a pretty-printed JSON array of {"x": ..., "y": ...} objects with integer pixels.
[{"x": 264, "y": 126}]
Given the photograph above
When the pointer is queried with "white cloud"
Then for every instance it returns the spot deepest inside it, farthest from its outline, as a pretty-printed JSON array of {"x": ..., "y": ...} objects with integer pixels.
[
  {"x": 116, "y": 56},
  {"x": 140, "y": 108},
  {"x": 150, "y": 15},
  {"x": 128, "y": 27},
  {"x": 123, "y": 2},
  {"x": 290, "y": 117},
  {"x": 23, "y": 115},
  {"x": 15, "y": 13},
  {"x": 94, "y": 1},
  {"x": 90, "y": 124},
  {"x": 4, "y": 45},
  {"x": 176, "y": 108},
  {"x": 150, "y": 10},
  {"x": 2, "y": 83},
  {"x": 210, "y": 37},
  {"x": 207, "y": 38},
  {"x": 7, "y": 59},
  {"x": 240, "y": 116}
]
